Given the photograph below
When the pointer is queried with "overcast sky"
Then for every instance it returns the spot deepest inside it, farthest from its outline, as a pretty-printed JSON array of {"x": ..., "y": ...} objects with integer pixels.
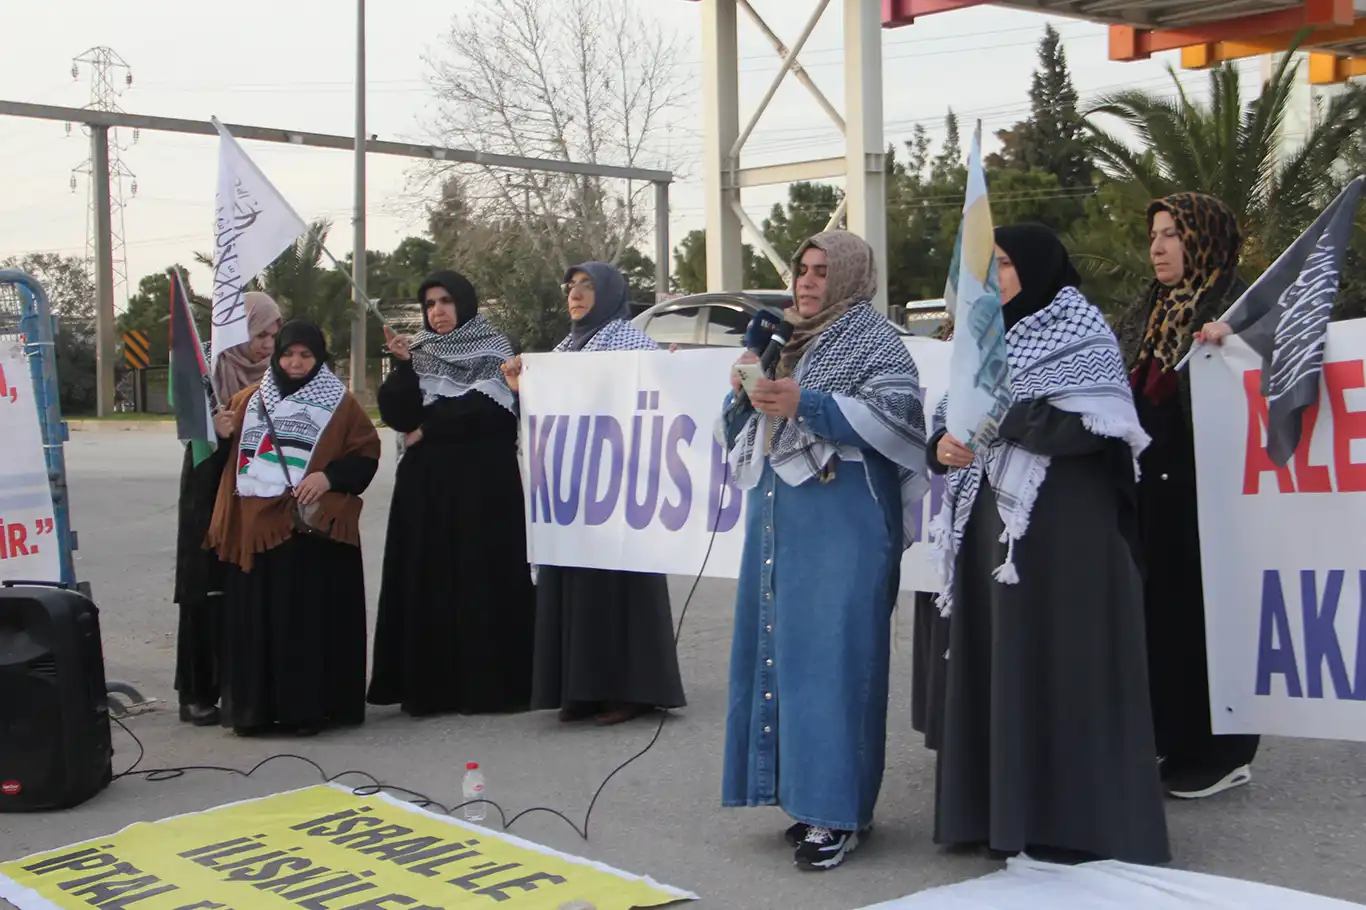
[{"x": 290, "y": 64}]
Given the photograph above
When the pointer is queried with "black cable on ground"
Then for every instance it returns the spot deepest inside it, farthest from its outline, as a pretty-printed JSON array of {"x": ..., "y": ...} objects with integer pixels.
[{"x": 422, "y": 801}]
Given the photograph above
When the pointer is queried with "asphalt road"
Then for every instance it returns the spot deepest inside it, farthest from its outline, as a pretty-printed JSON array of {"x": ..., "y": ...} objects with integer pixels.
[{"x": 1301, "y": 824}]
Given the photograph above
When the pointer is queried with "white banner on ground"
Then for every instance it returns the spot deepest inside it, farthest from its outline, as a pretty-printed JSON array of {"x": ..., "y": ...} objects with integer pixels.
[
  {"x": 622, "y": 470},
  {"x": 29, "y": 550},
  {"x": 1027, "y": 884},
  {"x": 252, "y": 225},
  {"x": 1282, "y": 548}
]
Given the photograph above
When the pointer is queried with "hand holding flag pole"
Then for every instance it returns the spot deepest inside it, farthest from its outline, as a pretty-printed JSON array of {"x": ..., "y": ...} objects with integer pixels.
[{"x": 1284, "y": 318}]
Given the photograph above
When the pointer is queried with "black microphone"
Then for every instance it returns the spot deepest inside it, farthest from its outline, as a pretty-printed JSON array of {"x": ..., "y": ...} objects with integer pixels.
[
  {"x": 768, "y": 361},
  {"x": 760, "y": 329}
]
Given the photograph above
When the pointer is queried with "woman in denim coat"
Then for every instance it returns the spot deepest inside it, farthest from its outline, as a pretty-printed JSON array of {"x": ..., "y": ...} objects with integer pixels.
[{"x": 831, "y": 454}]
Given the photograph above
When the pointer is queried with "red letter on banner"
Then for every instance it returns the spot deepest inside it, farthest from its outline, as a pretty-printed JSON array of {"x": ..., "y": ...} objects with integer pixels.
[{"x": 1347, "y": 425}]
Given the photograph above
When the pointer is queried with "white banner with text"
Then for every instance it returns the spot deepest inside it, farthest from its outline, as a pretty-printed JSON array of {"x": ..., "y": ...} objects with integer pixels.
[
  {"x": 1282, "y": 548},
  {"x": 28, "y": 540},
  {"x": 622, "y": 470}
]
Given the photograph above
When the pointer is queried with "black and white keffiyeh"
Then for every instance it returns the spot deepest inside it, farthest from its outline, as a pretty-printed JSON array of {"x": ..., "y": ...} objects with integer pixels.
[
  {"x": 299, "y": 419},
  {"x": 1067, "y": 355},
  {"x": 466, "y": 359},
  {"x": 617, "y": 335},
  {"x": 862, "y": 362}
]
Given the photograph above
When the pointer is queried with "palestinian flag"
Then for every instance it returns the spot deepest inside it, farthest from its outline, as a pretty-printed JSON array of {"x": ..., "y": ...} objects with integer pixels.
[{"x": 189, "y": 388}]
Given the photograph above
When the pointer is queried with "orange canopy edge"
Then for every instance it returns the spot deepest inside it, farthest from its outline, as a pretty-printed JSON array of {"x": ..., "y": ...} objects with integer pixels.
[{"x": 1206, "y": 33}]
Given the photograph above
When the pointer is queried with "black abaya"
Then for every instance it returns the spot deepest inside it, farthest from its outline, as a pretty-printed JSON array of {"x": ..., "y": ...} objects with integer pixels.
[
  {"x": 294, "y": 628},
  {"x": 456, "y": 607},
  {"x": 604, "y": 637},
  {"x": 295, "y": 635},
  {"x": 1175, "y": 603},
  {"x": 1047, "y": 738},
  {"x": 198, "y": 582},
  {"x": 929, "y": 668}
]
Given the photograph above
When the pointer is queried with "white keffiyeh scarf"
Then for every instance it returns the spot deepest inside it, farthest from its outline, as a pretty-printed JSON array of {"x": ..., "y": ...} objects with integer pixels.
[
  {"x": 299, "y": 419},
  {"x": 468, "y": 359},
  {"x": 862, "y": 362},
  {"x": 1067, "y": 355},
  {"x": 617, "y": 335}
]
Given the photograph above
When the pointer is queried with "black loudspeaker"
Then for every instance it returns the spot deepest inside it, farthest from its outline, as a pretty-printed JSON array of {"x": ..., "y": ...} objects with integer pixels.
[{"x": 55, "y": 751}]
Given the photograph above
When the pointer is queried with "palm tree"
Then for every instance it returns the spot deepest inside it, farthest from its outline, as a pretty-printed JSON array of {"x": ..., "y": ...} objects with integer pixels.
[
  {"x": 294, "y": 278},
  {"x": 1232, "y": 150}
]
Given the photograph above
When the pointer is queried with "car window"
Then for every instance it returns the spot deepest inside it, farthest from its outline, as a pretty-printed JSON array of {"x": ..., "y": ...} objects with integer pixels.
[
  {"x": 674, "y": 326},
  {"x": 726, "y": 326}
]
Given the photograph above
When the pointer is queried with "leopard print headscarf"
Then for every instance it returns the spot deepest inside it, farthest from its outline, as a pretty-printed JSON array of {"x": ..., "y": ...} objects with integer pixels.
[
  {"x": 1212, "y": 241},
  {"x": 851, "y": 276}
]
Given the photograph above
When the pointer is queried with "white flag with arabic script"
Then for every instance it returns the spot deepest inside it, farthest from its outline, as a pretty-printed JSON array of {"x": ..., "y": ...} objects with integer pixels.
[{"x": 253, "y": 224}]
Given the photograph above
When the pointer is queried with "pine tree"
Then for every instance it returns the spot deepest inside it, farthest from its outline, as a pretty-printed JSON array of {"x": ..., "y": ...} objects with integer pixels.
[
  {"x": 1052, "y": 138},
  {"x": 950, "y": 158},
  {"x": 918, "y": 148}
]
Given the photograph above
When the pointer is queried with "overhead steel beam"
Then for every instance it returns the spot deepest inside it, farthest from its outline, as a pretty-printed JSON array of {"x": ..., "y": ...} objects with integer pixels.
[
  {"x": 1128, "y": 42},
  {"x": 896, "y": 13},
  {"x": 100, "y": 122},
  {"x": 327, "y": 141},
  {"x": 1202, "y": 56},
  {"x": 1331, "y": 69},
  {"x": 768, "y": 175}
]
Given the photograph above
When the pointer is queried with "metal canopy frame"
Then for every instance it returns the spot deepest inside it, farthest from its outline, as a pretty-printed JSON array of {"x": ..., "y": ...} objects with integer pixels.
[
  {"x": 864, "y": 207},
  {"x": 1207, "y": 32},
  {"x": 100, "y": 123}
]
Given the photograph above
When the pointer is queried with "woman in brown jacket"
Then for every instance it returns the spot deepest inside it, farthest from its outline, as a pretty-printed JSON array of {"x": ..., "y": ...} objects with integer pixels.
[{"x": 287, "y": 524}]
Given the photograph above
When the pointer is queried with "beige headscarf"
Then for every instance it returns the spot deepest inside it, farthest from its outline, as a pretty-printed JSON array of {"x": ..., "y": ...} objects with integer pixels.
[
  {"x": 236, "y": 370},
  {"x": 850, "y": 277}
]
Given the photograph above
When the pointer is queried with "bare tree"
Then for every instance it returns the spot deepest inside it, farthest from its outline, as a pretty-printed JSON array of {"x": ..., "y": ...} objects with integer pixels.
[{"x": 577, "y": 80}]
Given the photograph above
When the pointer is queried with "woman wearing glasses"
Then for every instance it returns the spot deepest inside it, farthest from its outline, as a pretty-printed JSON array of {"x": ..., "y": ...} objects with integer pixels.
[{"x": 604, "y": 639}]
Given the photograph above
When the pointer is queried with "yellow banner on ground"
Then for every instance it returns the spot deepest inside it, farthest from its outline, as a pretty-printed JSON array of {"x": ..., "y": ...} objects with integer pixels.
[{"x": 320, "y": 848}]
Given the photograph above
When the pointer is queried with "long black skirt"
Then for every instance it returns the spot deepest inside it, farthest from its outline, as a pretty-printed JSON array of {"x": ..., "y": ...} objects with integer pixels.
[
  {"x": 1048, "y": 738},
  {"x": 198, "y": 583},
  {"x": 929, "y": 668},
  {"x": 604, "y": 637},
  {"x": 457, "y": 609},
  {"x": 1169, "y": 524},
  {"x": 294, "y": 638}
]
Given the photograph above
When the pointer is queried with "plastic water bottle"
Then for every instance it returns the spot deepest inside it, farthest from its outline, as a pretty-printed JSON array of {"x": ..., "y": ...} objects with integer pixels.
[{"x": 473, "y": 785}]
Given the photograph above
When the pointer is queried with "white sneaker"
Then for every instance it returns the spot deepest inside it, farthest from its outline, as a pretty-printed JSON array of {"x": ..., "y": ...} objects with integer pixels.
[{"x": 1196, "y": 784}]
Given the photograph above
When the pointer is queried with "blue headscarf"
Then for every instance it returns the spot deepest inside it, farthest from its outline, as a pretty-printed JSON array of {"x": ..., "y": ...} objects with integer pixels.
[{"x": 610, "y": 301}]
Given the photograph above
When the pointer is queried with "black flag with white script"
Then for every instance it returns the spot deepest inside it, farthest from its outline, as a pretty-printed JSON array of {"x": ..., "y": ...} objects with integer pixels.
[{"x": 1284, "y": 317}]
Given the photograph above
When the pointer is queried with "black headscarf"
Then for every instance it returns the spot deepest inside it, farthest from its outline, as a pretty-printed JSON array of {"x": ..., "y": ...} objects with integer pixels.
[
  {"x": 306, "y": 333},
  {"x": 1042, "y": 265},
  {"x": 466, "y": 300},
  {"x": 610, "y": 301}
]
